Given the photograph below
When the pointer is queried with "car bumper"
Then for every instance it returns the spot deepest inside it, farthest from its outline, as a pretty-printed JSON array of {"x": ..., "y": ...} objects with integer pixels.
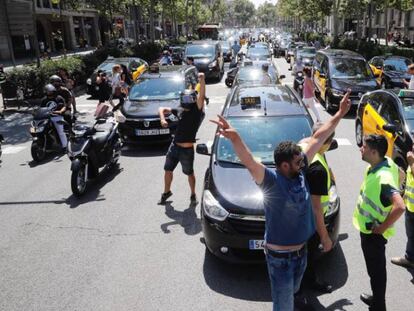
[
  {"x": 129, "y": 133},
  {"x": 235, "y": 236}
]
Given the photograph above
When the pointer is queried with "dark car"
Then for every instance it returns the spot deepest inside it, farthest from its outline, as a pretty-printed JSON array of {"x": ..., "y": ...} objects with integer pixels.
[
  {"x": 259, "y": 53},
  {"x": 177, "y": 54},
  {"x": 390, "y": 70},
  {"x": 251, "y": 73},
  {"x": 389, "y": 113},
  {"x": 280, "y": 47},
  {"x": 335, "y": 71},
  {"x": 152, "y": 91},
  {"x": 132, "y": 63},
  {"x": 208, "y": 58},
  {"x": 232, "y": 213}
]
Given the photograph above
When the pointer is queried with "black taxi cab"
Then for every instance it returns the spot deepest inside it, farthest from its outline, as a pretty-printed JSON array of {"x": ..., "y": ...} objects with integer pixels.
[
  {"x": 390, "y": 70},
  {"x": 335, "y": 71},
  {"x": 232, "y": 213},
  {"x": 389, "y": 113},
  {"x": 160, "y": 87}
]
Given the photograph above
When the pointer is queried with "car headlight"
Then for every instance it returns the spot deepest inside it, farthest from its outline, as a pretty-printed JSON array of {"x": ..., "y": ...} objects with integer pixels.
[
  {"x": 213, "y": 64},
  {"x": 333, "y": 201},
  {"x": 89, "y": 81},
  {"x": 338, "y": 93},
  {"x": 212, "y": 207},
  {"x": 173, "y": 118}
]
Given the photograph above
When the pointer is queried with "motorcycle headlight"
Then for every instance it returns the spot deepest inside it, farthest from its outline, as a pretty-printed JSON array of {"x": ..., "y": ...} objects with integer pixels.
[
  {"x": 212, "y": 207},
  {"x": 333, "y": 201},
  {"x": 89, "y": 81},
  {"x": 338, "y": 93},
  {"x": 213, "y": 64}
]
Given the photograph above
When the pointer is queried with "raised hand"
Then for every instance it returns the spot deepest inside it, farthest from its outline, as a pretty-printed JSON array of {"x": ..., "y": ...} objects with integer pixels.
[
  {"x": 345, "y": 103},
  {"x": 225, "y": 129}
]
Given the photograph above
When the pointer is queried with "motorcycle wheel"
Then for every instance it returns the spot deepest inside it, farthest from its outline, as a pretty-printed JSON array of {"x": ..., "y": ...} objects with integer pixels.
[
  {"x": 38, "y": 151},
  {"x": 79, "y": 180}
]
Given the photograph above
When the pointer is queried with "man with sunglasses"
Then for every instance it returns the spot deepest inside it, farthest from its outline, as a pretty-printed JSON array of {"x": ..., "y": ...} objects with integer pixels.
[
  {"x": 287, "y": 204},
  {"x": 190, "y": 115}
]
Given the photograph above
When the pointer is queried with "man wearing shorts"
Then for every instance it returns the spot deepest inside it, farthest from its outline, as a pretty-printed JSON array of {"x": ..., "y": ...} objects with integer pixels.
[{"x": 190, "y": 114}]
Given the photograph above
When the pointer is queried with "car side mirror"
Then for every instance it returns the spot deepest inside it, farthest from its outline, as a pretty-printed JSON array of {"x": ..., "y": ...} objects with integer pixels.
[
  {"x": 334, "y": 145},
  {"x": 202, "y": 149},
  {"x": 282, "y": 77},
  {"x": 391, "y": 128}
]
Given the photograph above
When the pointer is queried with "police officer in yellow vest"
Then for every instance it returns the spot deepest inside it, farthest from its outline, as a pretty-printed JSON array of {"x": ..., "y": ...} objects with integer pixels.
[
  {"x": 379, "y": 206},
  {"x": 319, "y": 179},
  {"x": 408, "y": 260}
]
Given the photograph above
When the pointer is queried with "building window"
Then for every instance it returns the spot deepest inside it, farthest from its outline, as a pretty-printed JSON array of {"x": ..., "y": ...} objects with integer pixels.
[
  {"x": 46, "y": 3},
  {"x": 39, "y": 3}
]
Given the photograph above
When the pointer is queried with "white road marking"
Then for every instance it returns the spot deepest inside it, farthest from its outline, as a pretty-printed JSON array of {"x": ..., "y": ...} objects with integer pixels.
[
  {"x": 343, "y": 142},
  {"x": 13, "y": 149}
]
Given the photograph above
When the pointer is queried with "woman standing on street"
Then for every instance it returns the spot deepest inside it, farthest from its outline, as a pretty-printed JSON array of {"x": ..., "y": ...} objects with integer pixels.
[
  {"x": 117, "y": 83},
  {"x": 308, "y": 93}
]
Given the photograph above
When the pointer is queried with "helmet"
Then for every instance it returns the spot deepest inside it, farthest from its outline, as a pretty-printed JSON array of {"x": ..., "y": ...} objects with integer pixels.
[
  {"x": 188, "y": 98},
  {"x": 49, "y": 88},
  {"x": 55, "y": 79}
]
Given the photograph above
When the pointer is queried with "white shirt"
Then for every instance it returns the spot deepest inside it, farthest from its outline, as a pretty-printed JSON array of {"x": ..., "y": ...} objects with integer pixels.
[
  {"x": 411, "y": 86},
  {"x": 116, "y": 81}
]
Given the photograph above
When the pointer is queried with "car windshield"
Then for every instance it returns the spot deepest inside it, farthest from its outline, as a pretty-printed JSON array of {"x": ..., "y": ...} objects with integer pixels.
[
  {"x": 200, "y": 51},
  {"x": 262, "y": 135},
  {"x": 157, "y": 89},
  {"x": 307, "y": 52},
  {"x": 258, "y": 53},
  {"x": 396, "y": 64},
  {"x": 346, "y": 68}
]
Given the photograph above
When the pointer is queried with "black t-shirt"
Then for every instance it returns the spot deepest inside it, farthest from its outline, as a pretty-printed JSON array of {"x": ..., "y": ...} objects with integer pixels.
[
  {"x": 317, "y": 179},
  {"x": 66, "y": 95},
  {"x": 56, "y": 103},
  {"x": 188, "y": 124}
]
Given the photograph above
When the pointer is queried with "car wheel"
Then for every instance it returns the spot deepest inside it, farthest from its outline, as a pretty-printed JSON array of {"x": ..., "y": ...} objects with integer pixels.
[{"x": 359, "y": 133}]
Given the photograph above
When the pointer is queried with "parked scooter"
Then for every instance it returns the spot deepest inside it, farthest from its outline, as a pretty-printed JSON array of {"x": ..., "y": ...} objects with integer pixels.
[
  {"x": 298, "y": 83},
  {"x": 45, "y": 137},
  {"x": 93, "y": 148}
]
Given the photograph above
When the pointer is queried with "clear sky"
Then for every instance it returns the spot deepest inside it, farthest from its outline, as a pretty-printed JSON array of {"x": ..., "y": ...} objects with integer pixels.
[{"x": 259, "y": 2}]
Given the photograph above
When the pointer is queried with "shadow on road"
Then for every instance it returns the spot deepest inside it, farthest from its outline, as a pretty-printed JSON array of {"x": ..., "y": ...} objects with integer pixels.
[
  {"x": 145, "y": 150},
  {"x": 93, "y": 192},
  {"x": 186, "y": 219},
  {"x": 246, "y": 282},
  {"x": 15, "y": 128}
]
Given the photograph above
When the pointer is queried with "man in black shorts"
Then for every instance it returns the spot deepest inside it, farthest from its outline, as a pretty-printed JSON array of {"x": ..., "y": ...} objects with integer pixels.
[{"x": 190, "y": 114}]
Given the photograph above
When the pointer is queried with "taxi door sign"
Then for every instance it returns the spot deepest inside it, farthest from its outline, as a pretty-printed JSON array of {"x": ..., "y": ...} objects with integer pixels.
[{"x": 250, "y": 102}]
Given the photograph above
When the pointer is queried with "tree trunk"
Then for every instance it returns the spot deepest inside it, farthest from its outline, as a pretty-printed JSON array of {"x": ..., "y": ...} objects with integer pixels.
[
  {"x": 186, "y": 18},
  {"x": 386, "y": 25},
  {"x": 369, "y": 20},
  {"x": 151, "y": 17}
]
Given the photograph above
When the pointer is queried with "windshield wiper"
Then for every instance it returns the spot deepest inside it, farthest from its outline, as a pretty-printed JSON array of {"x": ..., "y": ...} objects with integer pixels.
[{"x": 231, "y": 162}]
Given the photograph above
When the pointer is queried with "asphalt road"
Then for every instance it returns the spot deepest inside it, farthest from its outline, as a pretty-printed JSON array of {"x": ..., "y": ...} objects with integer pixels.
[{"x": 116, "y": 249}]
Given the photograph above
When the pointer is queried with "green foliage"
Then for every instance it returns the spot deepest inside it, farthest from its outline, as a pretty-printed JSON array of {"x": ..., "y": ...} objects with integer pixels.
[
  {"x": 148, "y": 51},
  {"x": 369, "y": 49}
]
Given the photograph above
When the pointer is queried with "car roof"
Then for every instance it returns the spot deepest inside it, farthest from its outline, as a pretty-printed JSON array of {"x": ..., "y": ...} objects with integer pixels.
[
  {"x": 122, "y": 59},
  {"x": 337, "y": 53},
  {"x": 166, "y": 71},
  {"x": 203, "y": 42},
  {"x": 277, "y": 100}
]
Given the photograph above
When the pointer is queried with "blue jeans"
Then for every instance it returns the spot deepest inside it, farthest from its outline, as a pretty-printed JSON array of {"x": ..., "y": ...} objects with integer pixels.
[
  {"x": 409, "y": 229},
  {"x": 285, "y": 277}
]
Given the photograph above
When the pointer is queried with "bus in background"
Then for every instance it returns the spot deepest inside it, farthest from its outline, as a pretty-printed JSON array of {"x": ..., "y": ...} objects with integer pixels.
[{"x": 209, "y": 31}]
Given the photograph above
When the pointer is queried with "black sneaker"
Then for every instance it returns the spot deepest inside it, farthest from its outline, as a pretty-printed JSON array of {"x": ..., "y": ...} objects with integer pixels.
[
  {"x": 193, "y": 199},
  {"x": 164, "y": 197}
]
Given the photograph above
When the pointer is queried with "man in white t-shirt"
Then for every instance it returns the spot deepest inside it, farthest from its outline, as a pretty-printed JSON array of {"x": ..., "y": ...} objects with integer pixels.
[{"x": 410, "y": 84}]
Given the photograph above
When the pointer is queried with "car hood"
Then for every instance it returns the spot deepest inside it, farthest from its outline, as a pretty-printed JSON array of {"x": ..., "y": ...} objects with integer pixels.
[
  {"x": 203, "y": 61},
  {"x": 356, "y": 85},
  {"x": 149, "y": 108},
  {"x": 237, "y": 189}
]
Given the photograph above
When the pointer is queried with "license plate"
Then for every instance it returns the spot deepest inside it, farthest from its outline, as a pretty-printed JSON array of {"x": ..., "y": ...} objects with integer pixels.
[
  {"x": 152, "y": 132},
  {"x": 256, "y": 244}
]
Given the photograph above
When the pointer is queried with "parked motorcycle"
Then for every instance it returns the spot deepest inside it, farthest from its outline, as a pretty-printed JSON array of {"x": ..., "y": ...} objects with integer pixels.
[
  {"x": 298, "y": 83},
  {"x": 93, "y": 148},
  {"x": 45, "y": 137}
]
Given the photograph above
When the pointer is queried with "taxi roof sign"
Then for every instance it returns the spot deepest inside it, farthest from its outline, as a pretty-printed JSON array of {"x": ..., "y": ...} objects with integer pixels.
[
  {"x": 404, "y": 93},
  {"x": 250, "y": 102}
]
